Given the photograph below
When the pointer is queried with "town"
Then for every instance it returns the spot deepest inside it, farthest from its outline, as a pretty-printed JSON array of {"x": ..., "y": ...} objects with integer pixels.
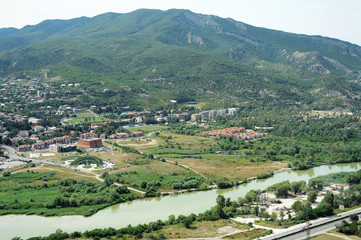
[{"x": 33, "y": 119}]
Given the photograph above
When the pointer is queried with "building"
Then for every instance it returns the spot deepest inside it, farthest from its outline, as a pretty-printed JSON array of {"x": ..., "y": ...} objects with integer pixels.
[
  {"x": 138, "y": 134},
  {"x": 88, "y": 136},
  {"x": 23, "y": 133},
  {"x": 122, "y": 135},
  {"x": 34, "y": 120},
  {"x": 195, "y": 117},
  {"x": 233, "y": 111},
  {"x": 24, "y": 148},
  {"x": 212, "y": 114},
  {"x": 62, "y": 148},
  {"x": 37, "y": 128},
  {"x": 221, "y": 112},
  {"x": 205, "y": 115},
  {"x": 90, "y": 143},
  {"x": 138, "y": 119},
  {"x": 39, "y": 146}
]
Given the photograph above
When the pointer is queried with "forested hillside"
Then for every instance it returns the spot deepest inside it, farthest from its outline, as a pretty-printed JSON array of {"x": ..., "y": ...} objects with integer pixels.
[{"x": 155, "y": 56}]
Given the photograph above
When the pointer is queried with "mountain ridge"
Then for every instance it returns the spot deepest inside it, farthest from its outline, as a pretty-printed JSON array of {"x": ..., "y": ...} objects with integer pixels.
[{"x": 216, "y": 56}]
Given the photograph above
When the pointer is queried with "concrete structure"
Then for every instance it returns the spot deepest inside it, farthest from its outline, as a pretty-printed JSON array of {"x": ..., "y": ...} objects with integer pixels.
[
  {"x": 205, "y": 115},
  {"x": 195, "y": 116},
  {"x": 90, "y": 143},
  {"x": 233, "y": 111},
  {"x": 62, "y": 148}
]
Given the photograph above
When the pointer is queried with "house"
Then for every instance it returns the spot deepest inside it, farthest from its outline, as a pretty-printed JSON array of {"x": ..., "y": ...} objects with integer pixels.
[
  {"x": 122, "y": 135},
  {"x": 37, "y": 128},
  {"x": 24, "y": 148},
  {"x": 88, "y": 135},
  {"x": 23, "y": 133},
  {"x": 138, "y": 119},
  {"x": 195, "y": 116},
  {"x": 138, "y": 134},
  {"x": 39, "y": 146},
  {"x": 34, "y": 120}
]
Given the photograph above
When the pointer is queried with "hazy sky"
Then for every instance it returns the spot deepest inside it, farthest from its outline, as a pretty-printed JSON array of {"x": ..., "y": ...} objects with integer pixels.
[{"x": 333, "y": 18}]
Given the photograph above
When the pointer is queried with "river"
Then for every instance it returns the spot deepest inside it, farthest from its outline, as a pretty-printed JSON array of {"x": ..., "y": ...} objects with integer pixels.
[{"x": 151, "y": 209}]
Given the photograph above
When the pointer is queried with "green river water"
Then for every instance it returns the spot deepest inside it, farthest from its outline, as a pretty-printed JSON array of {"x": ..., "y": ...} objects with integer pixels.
[{"x": 151, "y": 209}]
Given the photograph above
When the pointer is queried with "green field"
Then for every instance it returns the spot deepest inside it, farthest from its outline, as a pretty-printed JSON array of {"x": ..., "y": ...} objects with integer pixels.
[
  {"x": 44, "y": 194},
  {"x": 162, "y": 182},
  {"x": 82, "y": 120},
  {"x": 148, "y": 129}
]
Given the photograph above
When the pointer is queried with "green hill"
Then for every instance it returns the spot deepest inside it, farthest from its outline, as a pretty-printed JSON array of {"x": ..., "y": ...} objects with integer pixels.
[{"x": 151, "y": 56}]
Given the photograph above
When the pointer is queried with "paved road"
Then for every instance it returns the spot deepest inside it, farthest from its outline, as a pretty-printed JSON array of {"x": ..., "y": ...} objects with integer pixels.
[{"x": 319, "y": 226}]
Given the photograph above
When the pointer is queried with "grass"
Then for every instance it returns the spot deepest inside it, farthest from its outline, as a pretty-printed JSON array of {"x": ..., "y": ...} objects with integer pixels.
[
  {"x": 135, "y": 178},
  {"x": 148, "y": 128},
  {"x": 65, "y": 173},
  {"x": 27, "y": 178},
  {"x": 248, "y": 235},
  {"x": 203, "y": 229},
  {"x": 229, "y": 166},
  {"x": 177, "y": 151},
  {"x": 82, "y": 120},
  {"x": 331, "y": 237},
  {"x": 84, "y": 115},
  {"x": 33, "y": 193},
  {"x": 270, "y": 224},
  {"x": 88, "y": 160}
]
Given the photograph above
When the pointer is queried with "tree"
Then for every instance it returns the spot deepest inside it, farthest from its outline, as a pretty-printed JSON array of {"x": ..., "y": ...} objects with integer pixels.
[
  {"x": 354, "y": 218},
  {"x": 187, "y": 222},
  {"x": 221, "y": 201},
  {"x": 282, "y": 190},
  {"x": 274, "y": 216},
  {"x": 282, "y": 215},
  {"x": 171, "y": 219},
  {"x": 297, "y": 187},
  {"x": 143, "y": 185},
  {"x": 316, "y": 184},
  {"x": 256, "y": 210},
  {"x": 108, "y": 180},
  {"x": 312, "y": 196}
]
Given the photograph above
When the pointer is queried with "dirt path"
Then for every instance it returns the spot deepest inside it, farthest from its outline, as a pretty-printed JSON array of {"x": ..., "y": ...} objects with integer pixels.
[
  {"x": 92, "y": 175},
  {"x": 153, "y": 141},
  {"x": 118, "y": 184},
  {"x": 187, "y": 167}
]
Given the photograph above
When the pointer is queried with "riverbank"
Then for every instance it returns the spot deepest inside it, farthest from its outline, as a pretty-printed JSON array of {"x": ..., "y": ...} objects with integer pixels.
[{"x": 151, "y": 209}]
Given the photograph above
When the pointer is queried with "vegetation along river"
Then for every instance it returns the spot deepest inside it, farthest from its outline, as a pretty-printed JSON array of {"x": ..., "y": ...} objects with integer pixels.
[{"x": 151, "y": 209}]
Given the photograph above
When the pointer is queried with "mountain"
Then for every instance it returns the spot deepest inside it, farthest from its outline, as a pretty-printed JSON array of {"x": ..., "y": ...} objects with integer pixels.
[{"x": 160, "y": 55}]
